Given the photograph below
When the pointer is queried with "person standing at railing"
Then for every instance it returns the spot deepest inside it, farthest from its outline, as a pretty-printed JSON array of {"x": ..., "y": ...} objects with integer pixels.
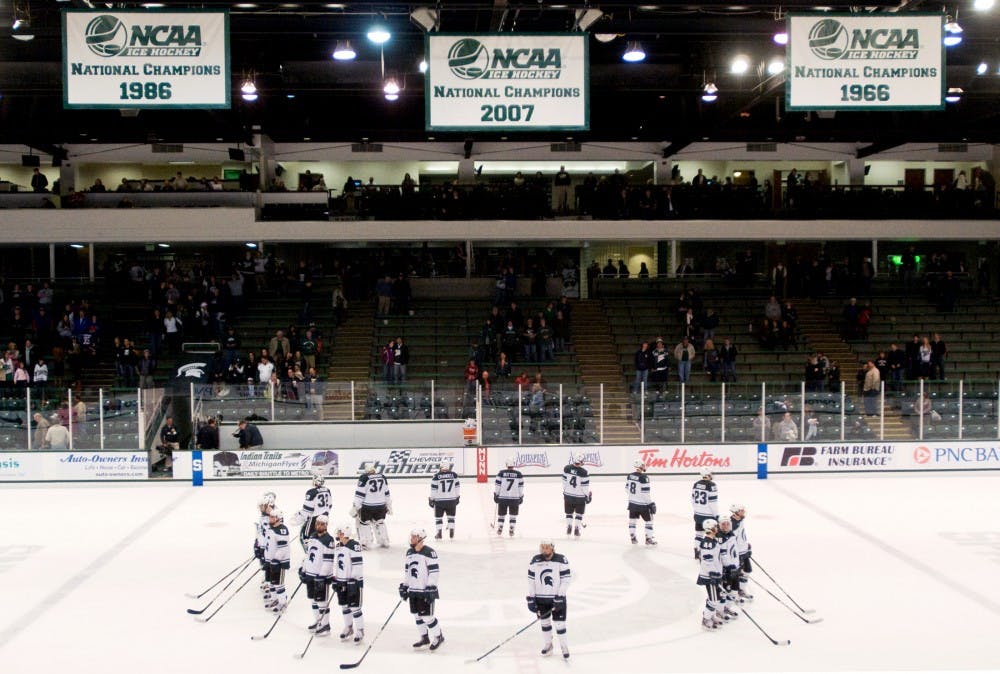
[
  {"x": 871, "y": 388},
  {"x": 400, "y": 359},
  {"x": 684, "y": 355},
  {"x": 643, "y": 360},
  {"x": 939, "y": 350},
  {"x": 727, "y": 354}
]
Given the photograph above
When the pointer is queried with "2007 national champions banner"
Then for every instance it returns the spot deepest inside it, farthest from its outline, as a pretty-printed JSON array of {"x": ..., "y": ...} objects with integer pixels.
[
  {"x": 507, "y": 82},
  {"x": 870, "y": 61},
  {"x": 145, "y": 59}
]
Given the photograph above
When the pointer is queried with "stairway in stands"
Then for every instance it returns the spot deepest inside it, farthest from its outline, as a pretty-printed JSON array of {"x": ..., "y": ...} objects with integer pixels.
[
  {"x": 598, "y": 363},
  {"x": 822, "y": 332},
  {"x": 349, "y": 359}
]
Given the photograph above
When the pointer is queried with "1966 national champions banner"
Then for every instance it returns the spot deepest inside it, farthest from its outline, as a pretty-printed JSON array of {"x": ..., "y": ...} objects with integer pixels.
[
  {"x": 145, "y": 59},
  {"x": 507, "y": 82}
]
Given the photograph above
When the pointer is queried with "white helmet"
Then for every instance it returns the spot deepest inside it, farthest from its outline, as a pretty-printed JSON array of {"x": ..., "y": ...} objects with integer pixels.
[
  {"x": 706, "y": 474},
  {"x": 709, "y": 524},
  {"x": 578, "y": 457},
  {"x": 510, "y": 462},
  {"x": 737, "y": 508},
  {"x": 267, "y": 499},
  {"x": 277, "y": 514},
  {"x": 419, "y": 532},
  {"x": 445, "y": 466},
  {"x": 343, "y": 530},
  {"x": 322, "y": 519},
  {"x": 639, "y": 464},
  {"x": 725, "y": 519},
  {"x": 547, "y": 542},
  {"x": 318, "y": 479}
]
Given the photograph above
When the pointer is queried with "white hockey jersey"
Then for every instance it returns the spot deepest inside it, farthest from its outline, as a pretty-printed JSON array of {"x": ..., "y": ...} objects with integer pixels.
[
  {"x": 637, "y": 488},
  {"x": 575, "y": 481},
  {"x": 348, "y": 564},
  {"x": 548, "y": 578},
  {"x": 263, "y": 524},
  {"x": 705, "y": 498},
  {"x": 710, "y": 563},
  {"x": 445, "y": 487},
  {"x": 420, "y": 569},
  {"x": 318, "y": 502},
  {"x": 740, "y": 534},
  {"x": 372, "y": 490},
  {"x": 728, "y": 556},
  {"x": 509, "y": 485},
  {"x": 319, "y": 556},
  {"x": 276, "y": 547}
]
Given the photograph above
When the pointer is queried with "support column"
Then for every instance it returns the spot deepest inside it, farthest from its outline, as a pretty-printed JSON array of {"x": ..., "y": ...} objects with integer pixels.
[
  {"x": 67, "y": 178},
  {"x": 90, "y": 261},
  {"x": 466, "y": 171},
  {"x": 672, "y": 270},
  {"x": 875, "y": 257},
  {"x": 468, "y": 259},
  {"x": 52, "y": 261},
  {"x": 268, "y": 163},
  {"x": 856, "y": 171},
  {"x": 661, "y": 172}
]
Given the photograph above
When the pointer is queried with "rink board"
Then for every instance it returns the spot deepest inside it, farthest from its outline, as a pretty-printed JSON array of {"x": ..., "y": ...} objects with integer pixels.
[{"x": 883, "y": 456}]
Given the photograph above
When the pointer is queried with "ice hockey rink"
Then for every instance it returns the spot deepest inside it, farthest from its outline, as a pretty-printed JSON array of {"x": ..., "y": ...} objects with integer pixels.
[{"x": 902, "y": 569}]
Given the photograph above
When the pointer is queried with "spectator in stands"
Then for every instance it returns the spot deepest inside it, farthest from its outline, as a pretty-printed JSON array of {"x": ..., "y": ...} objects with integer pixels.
[
  {"x": 484, "y": 381},
  {"x": 471, "y": 375},
  {"x": 248, "y": 435},
  {"x": 833, "y": 377},
  {"x": 546, "y": 341},
  {"x": 760, "y": 426},
  {"x": 172, "y": 326},
  {"x": 850, "y": 317},
  {"x": 265, "y": 368},
  {"x": 40, "y": 379},
  {"x": 882, "y": 365},
  {"x": 727, "y": 356},
  {"x": 279, "y": 347},
  {"x": 536, "y": 404},
  {"x": 772, "y": 309},
  {"x": 913, "y": 358},
  {"x": 98, "y": 186},
  {"x": 39, "y": 183},
  {"x": 786, "y": 430},
  {"x": 41, "y": 428},
  {"x": 400, "y": 359},
  {"x": 925, "y": 359},
  {"x": 711, "y": 360},
  {"x": 709, "y": 323},
  {"x": 57, "y": 435},
  {"x": 562, "y": 185},
  {"x": 170, "y": 440},
  {"x": 948, "y": 288},
  {"x": 684, "y": 355},
  {"x": 609, "y": 271},
  {"x": 896, "y": 361},
  {"x": 864, "y": 320},
  {"x": 146, "y": 366},
  {"x": 660, "y": 367},
  {"x": 871, "y": 388},
  {"x": 622, "y": 269},
  {"x": 208, "y": 435},
  {"x": 939, "y": 350},
  {"x": 643, "y": 361},
  {"x": 700, "y": 180},
  {"x": 779, "y": 280},
  {"x": 812, "y": 424},
  {"x": 529, "y": 341},
  {"x": 815, "y": 378},
  {"x": 927, "y": 410}
]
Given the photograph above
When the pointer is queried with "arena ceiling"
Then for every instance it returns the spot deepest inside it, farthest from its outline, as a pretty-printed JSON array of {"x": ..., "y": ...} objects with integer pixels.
[{"x": 306, "y": 94}]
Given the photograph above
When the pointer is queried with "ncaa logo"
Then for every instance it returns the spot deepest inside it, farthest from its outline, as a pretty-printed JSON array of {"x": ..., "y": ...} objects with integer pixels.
[
  {"x": 921, "y": 455},
  {"x": 468, "y": 59},
  {"x": 106, "y": 36},
  {"x": 828, "y": 39}
]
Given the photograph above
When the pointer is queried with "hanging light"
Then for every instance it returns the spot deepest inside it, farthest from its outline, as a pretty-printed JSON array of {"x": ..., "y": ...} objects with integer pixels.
[
  {"x": 739, "y": 65},
  {"x": 954, "y": 94},
  {"x": 781, "y": 37},
  {"x": 605, "y": 37},
  {"x": 392, "y": 97},
  {"x": 710, "y": 93},
  {"x": 249, "y": 86},
  {"x": 775, "y": 66},
  {"x": 982, "y": 68},
  {"x": 344, "y": 51},
  {"x": 634, "y": 52},
  {"x": 379, "y": 35},
  {"x": 21, "y": 28},
  {"x": 983, "y": 5},
  {"x": 422, "y": 66},
  {"x": 391, "y": 87},
  {"x": 952, "y": 33}
]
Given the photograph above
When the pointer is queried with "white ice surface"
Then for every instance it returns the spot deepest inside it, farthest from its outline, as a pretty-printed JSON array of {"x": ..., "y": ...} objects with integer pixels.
[{"x": 904, "y": 570}]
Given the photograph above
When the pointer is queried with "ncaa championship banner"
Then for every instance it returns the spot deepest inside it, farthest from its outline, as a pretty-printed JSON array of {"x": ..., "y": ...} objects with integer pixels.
[
  {"x": 507, "y": 82},
  {"x": 145, "y": 59},
  {"x": 870, "y": 62}
]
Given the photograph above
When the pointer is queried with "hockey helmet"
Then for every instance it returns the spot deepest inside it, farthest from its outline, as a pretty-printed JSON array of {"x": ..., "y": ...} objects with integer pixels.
[
  {"x": 547, "y": 543},
  {"x": 445, "y": 466},
  {"x": 510, "y": 462},
  {"x": 725, "y": 522},
  {"x": 277, "y": 515},
  {"x": 639, "y": 464},
  {"x": 266, "y": 499},
  {"x": 738, "y": 508},
  {"x": 419, "y": 533},
  {"x": 318, "y": 479},
  {"x": 709, "y": 524},
  {"x": 322, "y": 519},
  {"x": 343, "y": 530},
  {"x": 578, "y": 457},
  {"x": 705, "y": 474}
]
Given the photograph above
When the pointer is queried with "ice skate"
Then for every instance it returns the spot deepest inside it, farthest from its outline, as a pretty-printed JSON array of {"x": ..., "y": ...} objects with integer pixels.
[
  {"x": 359, "y": 636},
  {"x": 500, "y": 530},
  {"x": 312, "y": 628},
  {"x": 547, "y": 649},
  {"x": 721, "y": 615},
  {"x": 437, "y": 536},
  {"x": 565, "y": 651},
  {"x": 346, "y": 634},
  {"x": 650, "y": 540},
  {"x": 746, "y": 596},
  {"x": 512, "y": 532},
  {"x": 437, "y": 642},
  {"x": 424, "y": 641},
  {"x": 323, "y": 631},
  {"x": 731, "y": 613},
  {"x": 635, "y": 541},
  {"x": 709, "y": 624},
  {"x": 451, "y": 533},
  {"x": 576, "y": 532},
  {"x": 569, "y": 529}
]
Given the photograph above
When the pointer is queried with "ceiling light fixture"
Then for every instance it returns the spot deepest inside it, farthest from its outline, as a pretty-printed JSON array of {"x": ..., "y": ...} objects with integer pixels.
[
  {"x": 422, "y": 66},
  {"x": 248, "y": 86},
  {"x": 739, "y": 65},
  {"x": 245, "y": 5},
  {"x": 982, "y": 68},
  {"x": 953, "y": 33},
  {"x": 391, "y": 87},
  {"x": 954, "y": 94},
  {"x": 344, "y": 51},
  {"x": 78, "y": 246},
  {"x": 392, "y": 97},
  {"x": 427, "y": 18},
  {"x": 710, "y": 93},
  {"x": 983, "y": 5},
  {"x": 775, "y": 66},
  {"x": 605, "y": 37},
  {"x": 585, "y": 18},
  {"x": 781, "y": 37},
  {"x": 379, "y": 35},
  {"x": 634, "y": 52},
  {"x": 22, "y": 23},
  {"x": 250, "y": 244}
]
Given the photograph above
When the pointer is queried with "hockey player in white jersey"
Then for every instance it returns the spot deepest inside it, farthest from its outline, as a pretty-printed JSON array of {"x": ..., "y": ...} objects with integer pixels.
[
  {"x": 316, "y": 573},
  {"x": 444, "y": 499},
  {"x": 576, "y": 494},
  {"x": 318, "y": 501},
  {"x": 640, "y": 502},
  {"x": 705, "y": 502},
  {"x": 420, "y": 587},
  {"x": 349, "y": 581},
  {"x": 277, "y": 557},
  {"x": 508, "y": 494},
  {"x": 730, "y": 561},
  {"x": 548, "y": 580},
  {"x": 264, "y": 506},
  {"x": 710, "y": 575},
  {"x": 743, "y": 549},
  {"x": 372, "y": 503}
]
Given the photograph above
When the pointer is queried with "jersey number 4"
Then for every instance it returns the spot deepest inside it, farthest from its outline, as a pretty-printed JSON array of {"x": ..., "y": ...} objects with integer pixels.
[{"x": 572, "y": 481}]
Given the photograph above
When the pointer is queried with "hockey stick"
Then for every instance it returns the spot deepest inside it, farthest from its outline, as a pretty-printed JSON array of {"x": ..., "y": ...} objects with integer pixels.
[
  {"x": 239, "y": 568},
  {"x": 778, "y": 599},
  {"x": 496, "y": 511},
  {"x": 194, "y": 611},
  {"x": 804, "y": 610},
  {"x": 352, "y": 665},
  {"x": 783, "y": 642},
  {"x": 469, "y": 662},
  {"x": 212, "y": 614},
  {"x": 266, "y": 634},
  {"x": 299, "y": 656}
]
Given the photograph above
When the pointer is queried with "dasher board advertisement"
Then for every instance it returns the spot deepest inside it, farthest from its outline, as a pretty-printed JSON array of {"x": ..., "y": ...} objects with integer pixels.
[
  {"x": 145, "y": 59},
  {"x": 507, "y": 82},
  {"x": 865, "y": 62}
]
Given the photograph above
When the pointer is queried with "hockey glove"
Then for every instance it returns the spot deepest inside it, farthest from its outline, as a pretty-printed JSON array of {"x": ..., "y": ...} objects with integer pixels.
[
  {"x": 388, "y": 507},
  {"x": 590, "y": 496},
  {"x": 652, "y": 508},
  {"x": 298, "y": 519},
  {"x": 404, "y": 592},
  {"x": 496, "y": 499},
  {"x": 559, "y": 604},
  {"x": 431, "y": 593},
  {"x": 457, "y": 499},
  {"x": 532, "y": 606},
  {"x": 258, "y": 551},
  {"x": 430, "y": 502},
  {"x": 353, "y": 512},
  {"x": 520, "y": 500},
  {"x": 302, "y": 576}
]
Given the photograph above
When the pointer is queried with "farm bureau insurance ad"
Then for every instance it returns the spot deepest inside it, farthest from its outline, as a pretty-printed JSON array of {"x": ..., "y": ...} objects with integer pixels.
[
  {"x": 507, "y": 82},
  {"x": 148, "y": 59},
  {"x": 842, "y": 62}
]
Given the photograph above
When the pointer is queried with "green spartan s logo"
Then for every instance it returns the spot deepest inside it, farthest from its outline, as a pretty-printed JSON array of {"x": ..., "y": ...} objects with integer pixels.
[
  {"x": 468, "y": 59},
  {"x": 106, "y": 35},
  {"x": 828, "y": 39}
]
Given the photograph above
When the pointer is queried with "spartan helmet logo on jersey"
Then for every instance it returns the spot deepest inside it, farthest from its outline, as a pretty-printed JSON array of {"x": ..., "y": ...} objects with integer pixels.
[{"x": 546, "y": 578}]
